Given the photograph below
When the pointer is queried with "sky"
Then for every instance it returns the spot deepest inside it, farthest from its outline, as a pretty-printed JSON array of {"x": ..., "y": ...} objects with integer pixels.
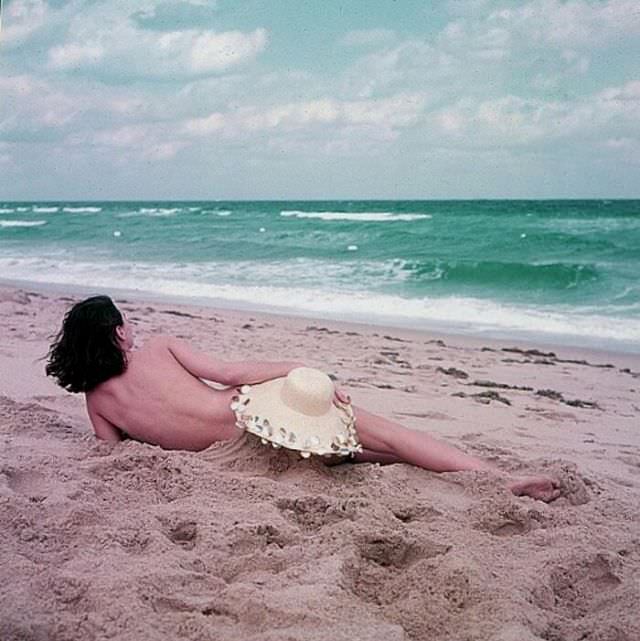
[{"x": 307, "y": 99}]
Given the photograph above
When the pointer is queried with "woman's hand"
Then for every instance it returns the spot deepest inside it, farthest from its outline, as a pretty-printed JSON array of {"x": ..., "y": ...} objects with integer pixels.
[{"x": 341, "y": 396}]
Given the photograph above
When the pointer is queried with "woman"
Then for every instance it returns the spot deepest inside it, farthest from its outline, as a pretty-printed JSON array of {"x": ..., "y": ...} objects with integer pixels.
[{"x": 156, "y": 394}]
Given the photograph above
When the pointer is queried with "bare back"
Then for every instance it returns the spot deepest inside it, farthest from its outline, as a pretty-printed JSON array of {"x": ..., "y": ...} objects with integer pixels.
[{"x": 157, "y": 400}]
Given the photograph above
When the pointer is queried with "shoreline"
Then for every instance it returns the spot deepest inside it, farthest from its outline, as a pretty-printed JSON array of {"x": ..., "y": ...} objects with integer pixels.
[{"x": 629, "y": 354}]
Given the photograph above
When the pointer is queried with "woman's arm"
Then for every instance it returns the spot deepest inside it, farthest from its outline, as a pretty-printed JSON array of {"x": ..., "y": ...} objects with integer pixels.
[
  {"x": 227, "y": 372},
  {"x": 103, "y": 428},
  {"x": 250, "y": 372}
]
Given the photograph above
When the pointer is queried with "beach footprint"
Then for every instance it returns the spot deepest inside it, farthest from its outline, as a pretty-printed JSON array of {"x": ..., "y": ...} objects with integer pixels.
[
  {"x": 507, "y": 520},
  {"x": 581, "y": 584},
  {"x": 381, "y": 558},
  {"x": 313, "y": 512},
  {"x": 182, "y": 532}
]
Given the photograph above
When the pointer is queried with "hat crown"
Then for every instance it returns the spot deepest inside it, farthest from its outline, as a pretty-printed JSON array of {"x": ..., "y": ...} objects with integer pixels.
[{"x": 308, "y": 391}]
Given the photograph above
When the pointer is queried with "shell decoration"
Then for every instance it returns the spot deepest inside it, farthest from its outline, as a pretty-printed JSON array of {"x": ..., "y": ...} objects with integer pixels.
[{"x": 345, "y": 443}]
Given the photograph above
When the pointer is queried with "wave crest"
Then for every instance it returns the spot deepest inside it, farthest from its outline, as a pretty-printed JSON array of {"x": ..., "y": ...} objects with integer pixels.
[
  {"x": 82, "y": 210},
  {"x": 505, "y": 275},
  {"x": 22, "y": 223},
  {"x": 361, "y": 217}
]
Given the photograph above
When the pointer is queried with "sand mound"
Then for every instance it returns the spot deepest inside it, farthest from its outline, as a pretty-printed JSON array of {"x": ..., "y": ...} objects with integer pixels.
[{"x": 243, "y": 542}]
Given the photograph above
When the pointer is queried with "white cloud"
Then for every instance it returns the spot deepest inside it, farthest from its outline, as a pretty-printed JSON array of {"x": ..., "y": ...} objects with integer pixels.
[
  {"x": 216, "y": 51},
  {"x": 402, "y": 110},
  {"x": 408, "y": 64},
  {"x": 485, "y": 51},
  {"x": 130, "y": 143},
  {"x": 627, "y": 95},
  {"x": 577, "y": 23},
  {"x": 451, "y": 120},
  {"x": 32, "y": 107},
  {"x": 72, "y": 55},
  {"x": 205, "y": 126},
  {"x": 501, "y": 80},
  {"x": 515, "y": 121},
  {"x": 126, "y": 104},
  {"x": 18, "y": 85},
  {"x": 106, "y": 34},
  {"x": 475, "y": 40},
  {"x": 128, "y": 136},
  {"x": 161, "y": 150},
  {"x": 20, "y": 19},
  {"x": 31, "y": 104},
  {"x": 622, "y": 143},
  {"x": 399, "y": 111}
]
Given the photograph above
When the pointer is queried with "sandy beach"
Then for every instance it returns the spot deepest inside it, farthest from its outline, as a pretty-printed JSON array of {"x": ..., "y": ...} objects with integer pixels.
[{"x": 241, "y": 542}]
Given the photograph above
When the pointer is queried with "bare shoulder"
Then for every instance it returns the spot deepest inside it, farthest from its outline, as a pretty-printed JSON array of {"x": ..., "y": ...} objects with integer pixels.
[
  {"x": 173, "y": 344},
  {"x": 162, "y": 342},
  {"x": 163, "y": 347},
  {"x": 95, "y": 397}
]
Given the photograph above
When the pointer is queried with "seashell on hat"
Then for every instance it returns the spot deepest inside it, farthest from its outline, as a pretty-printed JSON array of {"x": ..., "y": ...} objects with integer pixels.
[{"x": 298, "y": 412}]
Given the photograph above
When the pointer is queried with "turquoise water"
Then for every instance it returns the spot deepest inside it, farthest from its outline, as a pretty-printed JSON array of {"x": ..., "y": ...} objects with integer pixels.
[{"x": 558, "y": 270}]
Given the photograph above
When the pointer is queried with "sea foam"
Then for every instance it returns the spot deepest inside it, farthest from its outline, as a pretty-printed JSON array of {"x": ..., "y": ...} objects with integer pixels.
[
  {"x": 363, "y": 217},
  {"x": 22, "y": 223},
  {"x": 453, "y": 313},
  {"x": 153, "y": 212},
  {"x": 82, "y": 210}
]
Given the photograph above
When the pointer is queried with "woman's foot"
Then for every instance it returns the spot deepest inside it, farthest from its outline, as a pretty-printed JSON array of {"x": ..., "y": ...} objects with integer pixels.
[{"x": 542, "y": 488}]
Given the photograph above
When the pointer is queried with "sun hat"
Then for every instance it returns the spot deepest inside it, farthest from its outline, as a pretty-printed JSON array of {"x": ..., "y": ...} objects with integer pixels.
[{"x": 298, "y": 412}]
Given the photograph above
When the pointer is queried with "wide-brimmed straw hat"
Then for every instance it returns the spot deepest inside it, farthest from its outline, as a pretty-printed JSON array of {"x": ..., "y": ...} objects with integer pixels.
[{"x": 298, "y": 412}]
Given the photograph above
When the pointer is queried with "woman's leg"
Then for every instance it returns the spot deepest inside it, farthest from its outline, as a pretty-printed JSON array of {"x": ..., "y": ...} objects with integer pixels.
[{"x": 386, "y": 441}]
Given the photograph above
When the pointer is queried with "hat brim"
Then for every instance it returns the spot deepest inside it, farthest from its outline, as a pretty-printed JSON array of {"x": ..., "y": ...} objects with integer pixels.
[{"x": 259, "y": 410}]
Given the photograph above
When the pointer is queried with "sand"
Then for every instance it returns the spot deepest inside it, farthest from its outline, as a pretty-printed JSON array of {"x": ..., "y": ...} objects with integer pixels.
[{"x": 241, "y": 542}]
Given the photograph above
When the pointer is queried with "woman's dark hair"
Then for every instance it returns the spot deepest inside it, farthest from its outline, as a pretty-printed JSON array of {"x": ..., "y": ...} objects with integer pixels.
[{"x": 86, "y": 351}]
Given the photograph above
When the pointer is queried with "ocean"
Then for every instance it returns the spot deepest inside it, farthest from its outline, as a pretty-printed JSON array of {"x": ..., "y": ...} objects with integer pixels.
[{"x": 561, "y": 272}]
